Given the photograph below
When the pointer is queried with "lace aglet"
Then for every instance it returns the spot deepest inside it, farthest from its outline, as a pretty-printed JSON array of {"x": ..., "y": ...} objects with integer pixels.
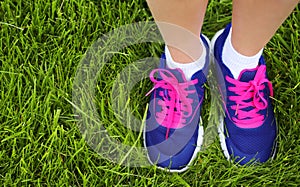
[
  {"x": 236, "y": 110},
  {"x": 148, "y": 93},
  {"x": 167, "y": 134}
]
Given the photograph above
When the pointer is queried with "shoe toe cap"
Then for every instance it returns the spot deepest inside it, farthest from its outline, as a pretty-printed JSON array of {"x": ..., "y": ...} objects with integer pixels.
[{"x": 250, "y": 154}]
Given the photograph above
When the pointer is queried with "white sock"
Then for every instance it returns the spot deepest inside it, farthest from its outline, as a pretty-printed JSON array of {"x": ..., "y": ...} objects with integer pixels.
[
  {"x": 188, "y": 69},
  {"x": 237, "y": 62}
]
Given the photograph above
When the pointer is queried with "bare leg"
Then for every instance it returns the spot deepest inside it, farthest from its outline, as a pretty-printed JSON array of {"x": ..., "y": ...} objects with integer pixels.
[
  {"x": 257, "y": 20},
  {"x": 188, "y": 14}
]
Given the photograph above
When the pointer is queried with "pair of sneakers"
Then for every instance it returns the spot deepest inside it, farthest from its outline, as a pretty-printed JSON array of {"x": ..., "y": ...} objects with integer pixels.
[{"x": 173, "y": 134}]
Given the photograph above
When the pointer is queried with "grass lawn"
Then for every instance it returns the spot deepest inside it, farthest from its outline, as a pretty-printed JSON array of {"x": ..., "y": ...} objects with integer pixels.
[{"x": 42, "y": 43}]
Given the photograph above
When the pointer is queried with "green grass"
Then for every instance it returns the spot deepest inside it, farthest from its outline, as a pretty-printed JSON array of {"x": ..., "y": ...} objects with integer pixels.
[{"x": 41, "y": 45}]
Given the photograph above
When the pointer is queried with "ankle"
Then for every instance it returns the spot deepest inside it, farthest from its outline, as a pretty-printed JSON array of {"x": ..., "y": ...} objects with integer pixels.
[
  {"x": 181, "y": 57},
  {"x": 244, "y": 46},
  {"x": 237, "y": 62},
  {"x": 191, "y": 66}
]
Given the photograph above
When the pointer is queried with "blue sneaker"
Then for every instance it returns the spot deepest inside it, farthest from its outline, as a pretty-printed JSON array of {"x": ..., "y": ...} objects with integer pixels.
[
  {"x": 173, "y": 135},
  {"x": 248, "y": 131}
]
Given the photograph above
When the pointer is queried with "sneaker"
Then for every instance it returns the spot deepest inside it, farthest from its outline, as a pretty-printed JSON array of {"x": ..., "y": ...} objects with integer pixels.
[
  {"x": 248, "y": 131},
  {"x": 172, "y": 134}
]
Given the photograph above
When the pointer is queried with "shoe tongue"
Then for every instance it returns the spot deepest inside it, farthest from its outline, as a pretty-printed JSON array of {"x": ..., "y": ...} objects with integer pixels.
[
  {"x": 177, "y": 72},
  {"x": 247, "y": 75}
]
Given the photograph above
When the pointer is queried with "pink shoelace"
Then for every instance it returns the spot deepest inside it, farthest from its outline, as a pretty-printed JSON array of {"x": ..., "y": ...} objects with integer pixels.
[
  {"x": 249, "y": 94},
  {"x": 176, "y": 106}
]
